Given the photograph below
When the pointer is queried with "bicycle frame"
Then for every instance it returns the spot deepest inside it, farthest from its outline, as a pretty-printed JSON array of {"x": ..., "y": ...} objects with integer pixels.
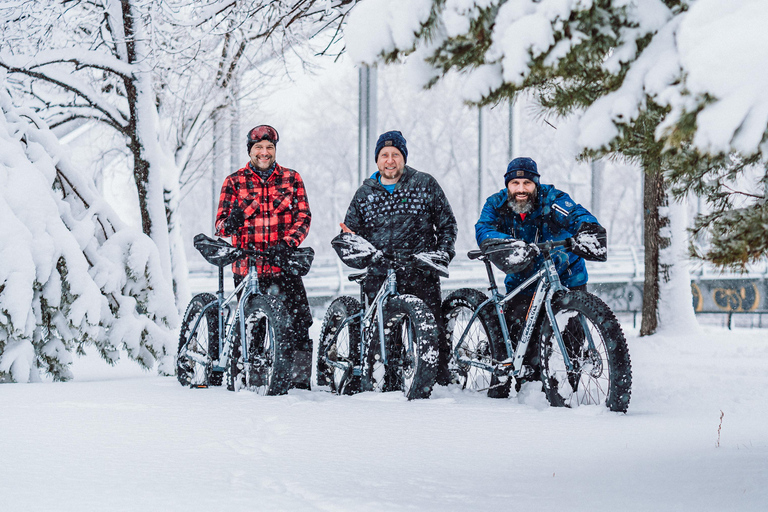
[
  {"x": 548, "y": 283},
  {"x": 249, "y": 286},
  {"x": 387, "y": 289}
]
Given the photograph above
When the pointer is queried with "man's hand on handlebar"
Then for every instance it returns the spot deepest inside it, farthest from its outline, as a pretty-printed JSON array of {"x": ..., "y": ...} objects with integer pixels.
[
  {"x": 280, "y": 253},
  {"x": 235, "y": 221},
  {"x": 590, "y": 242}
]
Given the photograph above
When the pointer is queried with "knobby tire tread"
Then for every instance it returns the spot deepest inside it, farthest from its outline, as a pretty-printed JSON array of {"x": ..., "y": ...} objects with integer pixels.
[
  {"x": 340, "y": 309},
  {"x": 397, "y": 310},
  {"x": 617, "y": 351},
  {"x": 194, "y": 308}
]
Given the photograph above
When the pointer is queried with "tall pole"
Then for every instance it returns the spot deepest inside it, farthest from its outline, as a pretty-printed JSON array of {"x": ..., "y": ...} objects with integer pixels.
[
  {"x": 597, "y": 182},
  {"x": 482, "y": 156},
  {"x": 367, "y": 111},
  {"x": 216, "y": 158},
  {"x": 513, "y": 131}
]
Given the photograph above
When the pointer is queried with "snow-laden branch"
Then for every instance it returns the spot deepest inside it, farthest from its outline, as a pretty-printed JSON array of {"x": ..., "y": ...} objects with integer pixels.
[
  {"x": 703, "y": 62},
  {"x": 81, "y": 59},
  {"x": 67, "y": 81}
]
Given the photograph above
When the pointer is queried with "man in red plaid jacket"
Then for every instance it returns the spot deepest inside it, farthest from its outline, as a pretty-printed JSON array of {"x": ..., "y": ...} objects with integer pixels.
[{"x": 264, "y": 207}]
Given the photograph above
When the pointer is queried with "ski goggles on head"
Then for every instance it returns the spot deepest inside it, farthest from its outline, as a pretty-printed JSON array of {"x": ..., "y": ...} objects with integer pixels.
[{"x": 263, "y": 132}]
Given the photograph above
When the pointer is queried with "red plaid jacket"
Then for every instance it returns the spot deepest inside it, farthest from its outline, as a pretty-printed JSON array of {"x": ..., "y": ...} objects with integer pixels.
[{"x": 275, "y": 210}]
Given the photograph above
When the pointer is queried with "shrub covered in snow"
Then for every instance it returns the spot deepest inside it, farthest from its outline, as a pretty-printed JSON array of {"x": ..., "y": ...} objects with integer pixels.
[{"x": 71, "y": 272}]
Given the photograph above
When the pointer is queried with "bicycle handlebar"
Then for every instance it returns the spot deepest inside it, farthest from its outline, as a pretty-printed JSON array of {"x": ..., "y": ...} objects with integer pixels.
[{"x": 544, "y": 247}]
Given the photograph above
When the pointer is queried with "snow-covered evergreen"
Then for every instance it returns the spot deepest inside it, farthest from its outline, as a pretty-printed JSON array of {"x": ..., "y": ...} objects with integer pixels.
[{"x": 71, "y": 272}]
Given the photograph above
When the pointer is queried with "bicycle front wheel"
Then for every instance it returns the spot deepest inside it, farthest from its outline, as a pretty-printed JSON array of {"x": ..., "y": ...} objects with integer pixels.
[
  {"x": 478, "y": 342},
  {"x": 410, "y": 337},
  {"x": 601, "y": 371},
  {"x": 195, "y": 355},
  {"x": 339, "y": 344},
  {"x": 266, "y": 368}
]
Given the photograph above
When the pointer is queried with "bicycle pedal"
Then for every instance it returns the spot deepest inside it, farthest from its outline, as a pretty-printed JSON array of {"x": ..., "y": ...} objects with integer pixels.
[{"x": 199, "y": 386}]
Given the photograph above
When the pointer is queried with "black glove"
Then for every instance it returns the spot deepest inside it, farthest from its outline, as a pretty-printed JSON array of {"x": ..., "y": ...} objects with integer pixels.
[
  {"x": 590, "y": 242},
  {"x": 437, "y": 261},
  {"x": 509, "y": 255},
  {"x": 235, "y": 221},
  {"x": 279, "y": 254}
]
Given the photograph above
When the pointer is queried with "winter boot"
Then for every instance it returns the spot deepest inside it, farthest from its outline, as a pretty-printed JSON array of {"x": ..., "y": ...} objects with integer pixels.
[
  {"x": 444, "y": 376},
  {"x": 301, "y": 373}
]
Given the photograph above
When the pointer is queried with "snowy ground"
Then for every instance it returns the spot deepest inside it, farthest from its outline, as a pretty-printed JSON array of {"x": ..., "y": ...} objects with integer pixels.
[{"x": 121, "y": 439}]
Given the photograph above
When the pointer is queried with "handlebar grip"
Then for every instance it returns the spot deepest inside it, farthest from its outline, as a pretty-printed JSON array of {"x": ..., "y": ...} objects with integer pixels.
[{"x": 554, "y": 243}]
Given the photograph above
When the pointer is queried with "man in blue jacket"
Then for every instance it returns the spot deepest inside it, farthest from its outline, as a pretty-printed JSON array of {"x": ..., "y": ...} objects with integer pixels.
[{"x": 530, "y": 212}]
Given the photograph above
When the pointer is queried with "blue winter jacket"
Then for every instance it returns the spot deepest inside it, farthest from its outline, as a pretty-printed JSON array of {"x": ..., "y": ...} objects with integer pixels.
[{"x": 556, "y": 217}]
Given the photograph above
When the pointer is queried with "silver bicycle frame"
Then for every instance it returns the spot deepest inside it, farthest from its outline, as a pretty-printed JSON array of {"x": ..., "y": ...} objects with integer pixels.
[{"x": 548, "y": 284}]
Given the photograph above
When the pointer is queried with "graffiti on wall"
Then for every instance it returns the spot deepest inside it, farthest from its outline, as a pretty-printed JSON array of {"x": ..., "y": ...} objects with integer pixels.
[
  {"x": 729, "y": 295},
  {"x": 711, "y": 295}
]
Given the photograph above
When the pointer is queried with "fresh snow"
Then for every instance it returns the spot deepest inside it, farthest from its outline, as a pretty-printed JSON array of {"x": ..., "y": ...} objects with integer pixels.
[{"x": 123, "y": 439}]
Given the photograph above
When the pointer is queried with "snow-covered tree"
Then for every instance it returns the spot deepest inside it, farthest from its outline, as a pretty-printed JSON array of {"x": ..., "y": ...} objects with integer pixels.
[
  {"x": 633, "y": 73},
  {"x": 71, "y": 272},
  {"x": 157, "y": 72},
  {"x": 96, "y": 61}
]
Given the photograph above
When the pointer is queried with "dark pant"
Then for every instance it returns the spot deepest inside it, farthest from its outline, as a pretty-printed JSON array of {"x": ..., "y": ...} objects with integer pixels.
[
  {"x": 425, "y": 286},
  {"x": 515, "y": 313},
  {"x": 290, "y": 290}
]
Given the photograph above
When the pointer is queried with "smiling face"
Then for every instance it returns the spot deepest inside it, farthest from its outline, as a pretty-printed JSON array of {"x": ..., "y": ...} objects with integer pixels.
[
  {"x": 521, "y": 194},
  {"x": 391, "y": 164},
  {"x": 263, "y": 155}
]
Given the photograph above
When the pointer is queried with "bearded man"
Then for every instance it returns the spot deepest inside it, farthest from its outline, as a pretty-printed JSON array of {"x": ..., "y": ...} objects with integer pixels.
[{"x": 530, "y": 212}]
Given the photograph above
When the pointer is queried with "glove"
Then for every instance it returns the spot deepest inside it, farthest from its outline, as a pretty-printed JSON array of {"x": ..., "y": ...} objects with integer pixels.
[
  {"x": 509, "y": 255},
  {"x": 280, "y": 254},
  {"x": 235, "y": 221},
  {"x": 590, "y": 242},
  {"x": 436, "y": 261}
]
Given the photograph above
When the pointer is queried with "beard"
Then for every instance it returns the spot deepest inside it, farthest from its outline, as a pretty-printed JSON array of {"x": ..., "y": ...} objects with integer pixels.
[{"x": 521, "y": 206}]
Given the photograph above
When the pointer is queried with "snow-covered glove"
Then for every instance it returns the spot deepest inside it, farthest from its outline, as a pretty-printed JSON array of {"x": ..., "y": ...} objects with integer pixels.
[
  {"x": 354, "y": 250},
  {"x": 590, "y": 242},
  {"x": 509, "y": 255},
  {"x": 280, "y": 254},
  {"x": 235, "y": 221},
  {"x": 437, "y": 261}
]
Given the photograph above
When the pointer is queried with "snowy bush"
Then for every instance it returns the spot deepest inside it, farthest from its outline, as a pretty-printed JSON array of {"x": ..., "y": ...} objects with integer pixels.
[{"x": 71, "y": 272}]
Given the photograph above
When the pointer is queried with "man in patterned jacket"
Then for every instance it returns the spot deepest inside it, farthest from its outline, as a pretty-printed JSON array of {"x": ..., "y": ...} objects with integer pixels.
[
  {"x": 400, "y": 210},
  {"x": 264, "y": 207}
]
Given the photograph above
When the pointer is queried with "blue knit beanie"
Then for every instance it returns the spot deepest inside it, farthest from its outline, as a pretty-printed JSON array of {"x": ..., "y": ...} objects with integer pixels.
[
  {"x": 522, "y": 167},
  {"x": 393, "y": 138}
]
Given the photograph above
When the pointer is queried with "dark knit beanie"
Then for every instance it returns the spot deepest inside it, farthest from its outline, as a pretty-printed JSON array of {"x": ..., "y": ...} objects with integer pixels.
[
  {"x": 521, "y": 168},
  {"x": 393, "y": 138}
]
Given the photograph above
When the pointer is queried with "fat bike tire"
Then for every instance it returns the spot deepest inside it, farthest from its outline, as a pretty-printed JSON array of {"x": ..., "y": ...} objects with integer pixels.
[
  {"x": 203, "y": 346},
  {"x": 602, "y": 376},
  {"x": 267, "y": 368},
  {"x": 483, "y": 342},
  {"x": 339, "y": 343},
  {"x": 410, "y": 335}
]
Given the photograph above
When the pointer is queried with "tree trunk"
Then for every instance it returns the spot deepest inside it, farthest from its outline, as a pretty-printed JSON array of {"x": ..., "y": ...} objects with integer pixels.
[{"x": 653, "y": 198}]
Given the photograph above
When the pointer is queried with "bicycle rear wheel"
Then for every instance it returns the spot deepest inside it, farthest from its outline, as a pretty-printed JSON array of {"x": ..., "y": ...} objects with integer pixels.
[
  {"x": 478, "y": 344},
  {"x": 267, "y": 366},
  {"x": 410, "y": 337},
  {"x": 339, "y": 344},
  {"x": 600, "y": 375},
  {"x": 195, "y": 355}
]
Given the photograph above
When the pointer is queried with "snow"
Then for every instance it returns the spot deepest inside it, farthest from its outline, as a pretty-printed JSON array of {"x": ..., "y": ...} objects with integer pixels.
[{"x": 123, "y": 439}]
